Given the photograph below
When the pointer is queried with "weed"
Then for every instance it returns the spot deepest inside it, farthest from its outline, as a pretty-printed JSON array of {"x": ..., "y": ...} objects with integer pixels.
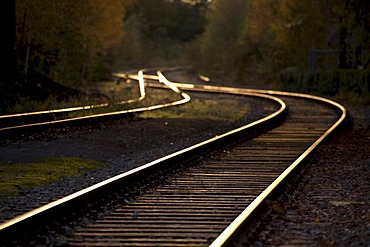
[{"x": 17, "y": 177}]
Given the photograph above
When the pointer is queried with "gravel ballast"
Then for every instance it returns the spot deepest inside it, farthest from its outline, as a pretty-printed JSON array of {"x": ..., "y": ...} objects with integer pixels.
[
  {"x": 327, "y": 203},
  {"x": 121, "y": 144},
  {"x": 329, "y": 206}
]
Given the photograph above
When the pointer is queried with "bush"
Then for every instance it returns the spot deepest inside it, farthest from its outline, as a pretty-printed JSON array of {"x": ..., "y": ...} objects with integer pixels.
[{"x": 353, "y": 85}]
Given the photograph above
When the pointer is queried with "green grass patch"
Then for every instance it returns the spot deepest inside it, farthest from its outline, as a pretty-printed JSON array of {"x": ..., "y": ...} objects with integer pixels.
[
  {"x": 212, "y": 109},
  {"x": 16, "y": 177}
]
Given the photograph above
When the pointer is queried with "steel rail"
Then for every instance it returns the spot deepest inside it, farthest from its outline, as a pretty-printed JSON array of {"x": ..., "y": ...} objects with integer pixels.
[
  {"x": 34, "y": 215},
  {"x": 225, "y": 237},
  {"x": 140, "y": 77},
  {"x": 185, "y": 98},
  {"x": 106, "y": 227}
]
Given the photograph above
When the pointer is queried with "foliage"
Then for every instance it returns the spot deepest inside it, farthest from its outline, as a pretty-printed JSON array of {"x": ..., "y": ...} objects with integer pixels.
[
  {"x": 26, "y": 104},
  {"x": 68, "y": 40},
  {"x": 16, "y": 177},
  {"x": 267, "y": 41},
  {"x": 352, "y": 85},
  {"x": 355, "y": 34},
  {"x": 261, "y": 36},
  {"x": 251, "y": 41},
  {"x": 220, "y": 46},
  {"x": 159, "y": 31}
]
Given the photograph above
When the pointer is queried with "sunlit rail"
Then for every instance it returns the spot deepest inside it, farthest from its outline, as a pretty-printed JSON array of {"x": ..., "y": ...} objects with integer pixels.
[
  {"x": 147, "y": 167},
  {"x": 226, "y": 235},
  {"x": 140, "y": 77},
  {"x": 243, "y": 217}
]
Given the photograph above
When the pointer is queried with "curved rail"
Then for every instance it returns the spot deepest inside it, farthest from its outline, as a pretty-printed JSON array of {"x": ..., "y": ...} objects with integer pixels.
[
  {"x": 140, "y": 77},
  {"x": 185, "y": 98},
  {"x": 226, "y": 235},
  {"x": 36, "y": 215}
]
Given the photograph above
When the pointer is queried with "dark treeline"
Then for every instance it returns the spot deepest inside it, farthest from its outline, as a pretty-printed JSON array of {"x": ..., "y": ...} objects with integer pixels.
[
  {"x": 69, "y": 42},
  {"x": 159, "y": 32},
  {"x": 265, "y": 39},
  {"x": 312, "y": 45}
]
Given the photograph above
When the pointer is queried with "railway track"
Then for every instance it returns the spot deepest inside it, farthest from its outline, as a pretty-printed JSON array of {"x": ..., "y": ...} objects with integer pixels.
[
  {"x": 42, "y": 119},
  {"x": 186, "y": 199}
]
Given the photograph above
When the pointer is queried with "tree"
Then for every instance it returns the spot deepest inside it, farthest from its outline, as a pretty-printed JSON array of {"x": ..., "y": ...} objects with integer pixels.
[
  {"x": 68, "y": 40},
  {"x": 158, "y": 30},
  {"x": 355, "y": 34},
  {"x": 286, "y": 30},
  {"x": 220, "y": 42},
  {"x": 257, "y": 38}
]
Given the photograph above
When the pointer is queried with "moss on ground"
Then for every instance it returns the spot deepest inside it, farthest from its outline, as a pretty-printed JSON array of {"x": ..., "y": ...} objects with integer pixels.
[{"x": 17, "y": 177}]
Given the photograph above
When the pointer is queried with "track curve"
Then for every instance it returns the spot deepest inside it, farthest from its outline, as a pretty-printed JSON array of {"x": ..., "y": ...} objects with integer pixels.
[
  {"x": 207, "y": 202},
  {"x": 16, "y": 122},
  {"x": 199, "y": 208}
]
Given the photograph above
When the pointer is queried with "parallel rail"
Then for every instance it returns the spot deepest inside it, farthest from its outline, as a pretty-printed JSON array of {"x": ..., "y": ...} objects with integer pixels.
[
  {"x": 227, "y": 234},
  {"x": 205, "y": 205},
  {"x": 16, "y": 122}
]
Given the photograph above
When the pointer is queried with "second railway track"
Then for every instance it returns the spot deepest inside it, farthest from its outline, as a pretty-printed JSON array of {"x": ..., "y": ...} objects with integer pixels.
[{"x": 204, "y": 201}]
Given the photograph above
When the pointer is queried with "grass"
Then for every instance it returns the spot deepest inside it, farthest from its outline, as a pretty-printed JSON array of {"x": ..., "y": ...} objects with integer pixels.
[
  {"x": 212, "y": 109},
  {"x": 17, "y": 177},
  {"x": 97, "y": 93}
]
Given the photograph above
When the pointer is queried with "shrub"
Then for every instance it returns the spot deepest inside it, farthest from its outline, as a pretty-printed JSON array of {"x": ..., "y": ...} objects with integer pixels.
[{"x": 352, "y": 85}]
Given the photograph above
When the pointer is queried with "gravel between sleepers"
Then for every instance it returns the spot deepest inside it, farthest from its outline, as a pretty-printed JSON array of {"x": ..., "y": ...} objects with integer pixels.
[
  {"x": 328, "y": 206},
  {"x": 121, "y": 144},
  {"x": 328, "y": 201}
]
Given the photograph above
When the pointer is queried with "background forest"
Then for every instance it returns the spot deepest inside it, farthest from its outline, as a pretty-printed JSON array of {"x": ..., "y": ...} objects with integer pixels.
[{"x": 320, "y": 46}]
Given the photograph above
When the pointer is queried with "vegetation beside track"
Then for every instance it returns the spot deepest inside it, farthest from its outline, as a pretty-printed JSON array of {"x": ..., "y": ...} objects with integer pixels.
[
  {"x": 17, "y": 177},
  {"x": 349, "y": 85},
  {"x": 202, "y": 109}
]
